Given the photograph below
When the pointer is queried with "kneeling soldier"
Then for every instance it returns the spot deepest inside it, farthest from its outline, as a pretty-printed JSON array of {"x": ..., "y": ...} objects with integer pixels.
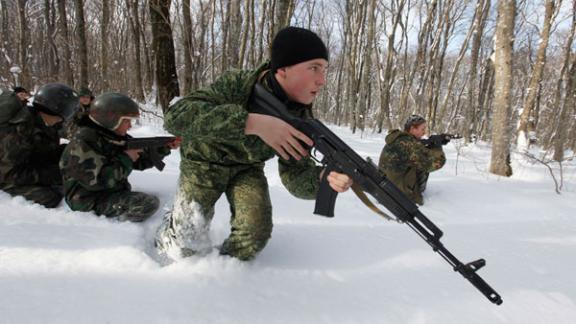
[
  {"x": 30, "y": 143},
  {"x": 95, "y": 166}
]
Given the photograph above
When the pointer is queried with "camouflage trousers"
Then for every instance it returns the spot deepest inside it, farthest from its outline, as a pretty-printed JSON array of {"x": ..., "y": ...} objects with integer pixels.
[
  {"x": 47, "y": 196},
  {"x": 127, "y": 206},
  {"x": 185, "y": 231}
]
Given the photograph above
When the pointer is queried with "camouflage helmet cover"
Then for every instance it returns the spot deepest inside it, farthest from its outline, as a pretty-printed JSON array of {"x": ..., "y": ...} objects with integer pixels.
[
  {"x": 56, "y": 99},
  {"x": 109, "y": 108}
]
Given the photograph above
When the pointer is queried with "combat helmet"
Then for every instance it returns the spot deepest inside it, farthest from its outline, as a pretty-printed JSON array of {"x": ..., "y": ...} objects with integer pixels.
[
  {"x": 56, "y": 99},
  {"x": 109, "y": 109}
]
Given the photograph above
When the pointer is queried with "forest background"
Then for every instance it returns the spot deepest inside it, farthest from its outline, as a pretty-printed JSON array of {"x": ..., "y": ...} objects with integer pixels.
[{"x": 503, "y": 72}]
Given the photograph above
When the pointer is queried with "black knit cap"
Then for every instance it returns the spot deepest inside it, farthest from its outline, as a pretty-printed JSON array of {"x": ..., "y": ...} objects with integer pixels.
[{"x": 293, "y": 45}]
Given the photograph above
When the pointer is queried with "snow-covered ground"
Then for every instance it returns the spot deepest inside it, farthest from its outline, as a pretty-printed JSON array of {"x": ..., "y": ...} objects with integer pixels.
[{"x": 59, "y": 266}]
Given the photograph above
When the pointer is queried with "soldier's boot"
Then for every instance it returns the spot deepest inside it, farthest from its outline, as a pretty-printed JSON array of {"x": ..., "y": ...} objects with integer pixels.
[
  {"x": 140, "y": 207},
  {"x": 128, "y": 206},
  {"x": 47, "y": 196},
  {"x": 244, "y": 243},
  {"x": 185, "y": 230},
  {"x": 251, "y": 215}
]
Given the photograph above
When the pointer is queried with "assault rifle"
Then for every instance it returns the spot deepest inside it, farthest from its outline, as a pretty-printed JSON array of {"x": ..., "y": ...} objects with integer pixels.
[
  {"x": 337, "y": 156},
  {"x": 439, "y": 139},
  {"x": 152, "y": 143}
]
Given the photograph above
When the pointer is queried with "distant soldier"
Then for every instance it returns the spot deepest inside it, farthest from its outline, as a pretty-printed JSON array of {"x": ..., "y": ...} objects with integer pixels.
[
  {"x": 95, "y": 167},
  {"x": 225, "y": 146},
  {"x": 30, "y": 144},
  {"x": 407, "y": 162},
  {"x": 22, "y": 94},
  {"x": 85, "y": 97}
]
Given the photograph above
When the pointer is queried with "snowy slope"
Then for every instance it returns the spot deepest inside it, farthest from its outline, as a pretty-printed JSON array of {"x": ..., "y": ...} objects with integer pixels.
[{"x": 59, "y": 266}]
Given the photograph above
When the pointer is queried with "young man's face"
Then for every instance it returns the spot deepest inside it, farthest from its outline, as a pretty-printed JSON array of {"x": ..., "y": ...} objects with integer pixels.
[
  {"x": 23, "y": 96},
  {"x": 85, "y": 100},
  {"x": 418, "y": 131},
  {"x": 125, "y": 125},
  {"x": 303, "y": 81}
]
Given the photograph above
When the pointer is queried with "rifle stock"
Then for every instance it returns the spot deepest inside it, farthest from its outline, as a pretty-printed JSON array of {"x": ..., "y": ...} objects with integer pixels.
[{"x": 340, "y": 157}]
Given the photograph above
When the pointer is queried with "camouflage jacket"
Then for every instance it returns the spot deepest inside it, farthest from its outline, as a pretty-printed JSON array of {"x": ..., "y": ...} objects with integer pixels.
[
  {"x": 71, "y": 126},
  {"x": 211, "y": 122},
  {"x": 29, "y": 151},
  {"x": 404, "y": 158},
  {"x": 93, "y": 165}
]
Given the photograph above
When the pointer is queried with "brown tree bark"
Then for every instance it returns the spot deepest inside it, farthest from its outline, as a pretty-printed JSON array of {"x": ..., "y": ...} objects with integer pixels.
[
  {"x": 82, "y": 45},
  {"x": 469, "y": 125},
  {"x": 52, "y": 51},
  {"x": 133, "y": 16},
  {"x": 23, "y": 44},
  {"x": 187, "y": 45},
  {"x": 163, "y": 49},
  {"x": 503, "y": 46},
  {"x": 104, "y": 43},
  {"x": 64, "y": 43}
]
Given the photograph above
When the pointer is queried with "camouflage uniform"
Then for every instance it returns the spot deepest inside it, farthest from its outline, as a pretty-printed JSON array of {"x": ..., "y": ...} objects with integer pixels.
[
  {"x": 29, "y": 154},
  {"x": 95, "y": 172},
  {"x": 218, "y": 158},
  {"x": 71, "y": 126},
  {"x": 407, "y": 163}
]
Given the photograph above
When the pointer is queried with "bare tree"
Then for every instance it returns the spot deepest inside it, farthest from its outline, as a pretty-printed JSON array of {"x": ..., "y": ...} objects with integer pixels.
[
  {"x": 469, "y": 125},
  {"x": 503, "y": 45},
  {"x": 563, "y": 121},
  {"x": 163, "y": 48},
  {"x": 133, "y": 16},
  {"x": 284, "y": 9},
  {"x": 82, "y": 45},
  {"x": 64, "y": 43},
  {"x": 104, "y": 42},
  {"x": 386, "y": 71},
  {"x": 187, "y": 45},
  {"x": 23, "y": 42},
  {"x": 526, "y": 125}
]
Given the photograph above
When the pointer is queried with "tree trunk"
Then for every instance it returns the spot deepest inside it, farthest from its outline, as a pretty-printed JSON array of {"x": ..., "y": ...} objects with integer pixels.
[
  {"x": 23, "y": 44},
  {"x": 163, "y": 48},
  {"x": 104, "y": 43},
  {"x": 234, "y": 32},
  {"x": 362, "y": 102},
  {"x": 65, "y": 43},
  {"x": 386, "y": 78},
  {"x": 133, "y": 16},
  {"x": 82, "y": 45},
  {"x": 52, "y": 57},
  {"x": 526, "y": 127},
  {"x": 568, "y": 106},
  {"x": 469, "y": 125},
  {"x": 282, "y": 15},
  {"x": 503, "y": 45},
  {"x": 187, "y": 44}
]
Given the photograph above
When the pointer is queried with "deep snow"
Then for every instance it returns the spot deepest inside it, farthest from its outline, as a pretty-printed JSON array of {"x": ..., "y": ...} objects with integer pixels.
[{"x": 59, "y": 266}]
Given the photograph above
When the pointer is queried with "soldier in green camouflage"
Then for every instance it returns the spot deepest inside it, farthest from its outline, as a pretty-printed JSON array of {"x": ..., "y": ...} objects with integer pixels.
[
  {"x": 30, "y": 143},
  {"x": 407, "y": 162},
  {"x": 95, "y": 166},
  {"x": 85, "y": 98},
  {"x": 225, "y": 146}
]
